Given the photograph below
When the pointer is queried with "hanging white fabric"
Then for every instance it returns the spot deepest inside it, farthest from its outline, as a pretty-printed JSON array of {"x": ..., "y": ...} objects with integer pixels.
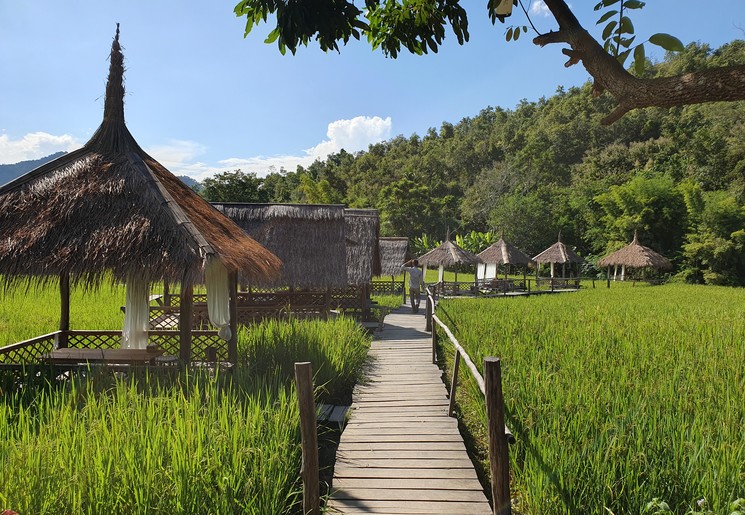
[
  {"x": 218, "y": 297},
  {"x": 136, "y": 313}
]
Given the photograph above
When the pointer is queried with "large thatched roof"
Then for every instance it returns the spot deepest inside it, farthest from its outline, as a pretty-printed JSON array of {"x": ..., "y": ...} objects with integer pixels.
[
  {"x": 503, "y": 253},
  {"x": 394, "y": 252},
  {"x": 635, "y": 255},
  {"x": 362, "y": 228},
  {"x": 448, "y": 254},
  {"x": 309, "y": 239},
  {"x": 558, "y": 253},
  {"x": 111, "y": 208}
]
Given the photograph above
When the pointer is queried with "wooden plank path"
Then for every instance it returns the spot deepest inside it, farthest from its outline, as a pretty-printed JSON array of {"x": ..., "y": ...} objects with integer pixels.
[{"x": 400, "y": 452}]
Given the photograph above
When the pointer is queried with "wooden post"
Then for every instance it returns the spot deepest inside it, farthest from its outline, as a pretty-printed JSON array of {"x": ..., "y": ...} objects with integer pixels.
[
  {"x": 454, "y": 383},
  {"x": 428, "y": 314},
  {"x": 607, "y": 276},
  {"x": 166, "y": 293},
  {"x": 404, "y": 287},
  {"x": 233, "y": 307},
  {"x": 434, "y": 343},
  {"x": 309, "y": 437},
  {"x": 185, "y": 322},
  {"x": 64, "y": 316},
  {"x": 498, "y": 451}
]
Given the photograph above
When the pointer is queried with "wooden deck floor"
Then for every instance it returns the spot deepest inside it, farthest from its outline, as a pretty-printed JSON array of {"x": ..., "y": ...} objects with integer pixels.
[{"x": 400, "y": 452}]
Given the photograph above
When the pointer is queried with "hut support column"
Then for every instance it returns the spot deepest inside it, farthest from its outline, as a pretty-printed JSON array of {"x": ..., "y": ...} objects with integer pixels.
[
  {"x": 552, "y": 271},
  {"x": 185, "y": 322},
  {"x": 233, "y": 307},
  {"x": 607, "y": 277},
  {"x": 166, "y": 293},
  {"x": 623, "y": 272},
  {"x": 64, "y": 318}
]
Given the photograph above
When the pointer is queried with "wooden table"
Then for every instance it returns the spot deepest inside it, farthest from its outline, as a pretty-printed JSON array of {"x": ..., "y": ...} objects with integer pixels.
[{"x": 107, "y": 356}]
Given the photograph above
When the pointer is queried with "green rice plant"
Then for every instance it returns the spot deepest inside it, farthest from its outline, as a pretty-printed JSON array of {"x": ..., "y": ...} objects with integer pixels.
[{"x": 616, "y": 396}]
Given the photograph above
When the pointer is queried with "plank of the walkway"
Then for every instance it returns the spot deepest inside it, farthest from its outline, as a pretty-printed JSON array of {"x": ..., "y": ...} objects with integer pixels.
[{"x": 400, "y": 452}]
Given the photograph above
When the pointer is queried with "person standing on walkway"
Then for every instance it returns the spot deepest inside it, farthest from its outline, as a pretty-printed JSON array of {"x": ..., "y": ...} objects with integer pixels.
[{"x": 416, "y": 281}]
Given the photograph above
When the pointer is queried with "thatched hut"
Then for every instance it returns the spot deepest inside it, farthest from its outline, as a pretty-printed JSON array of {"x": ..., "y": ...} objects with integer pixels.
[
  {"x": 447, "y": 255},
  {"x": 394, "y": 252},
  {"x": 308, "y": 238},
  {"x": 502, "y": 254},
  {"x": 634, "y": 255},
  {"x": 109, "y": 210},
  {"x": 558, "y": 253},
  {"x": 362, "y": 229}
]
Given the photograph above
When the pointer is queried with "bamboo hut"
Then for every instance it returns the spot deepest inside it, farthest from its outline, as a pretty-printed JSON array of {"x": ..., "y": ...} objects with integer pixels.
[
  {"x": 448, "y": 255},
  {"x": 634, "y": 255},
  {"x": 309, "y": 239},
  {"x": 558, "y": 253},
  {"x": 362, "y": 230},
  {"x": 110, "y": 211},
  {"x": 501, "y": 254}
]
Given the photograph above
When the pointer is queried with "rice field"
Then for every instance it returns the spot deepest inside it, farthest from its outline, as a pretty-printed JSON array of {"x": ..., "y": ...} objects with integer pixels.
[
  {"x": 628, "y": 400},
  {"x": 180, "y": 445}
]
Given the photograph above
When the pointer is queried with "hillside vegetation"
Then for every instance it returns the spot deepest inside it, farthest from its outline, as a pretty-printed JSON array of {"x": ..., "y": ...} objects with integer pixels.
[{"x": 677, "y": 175}]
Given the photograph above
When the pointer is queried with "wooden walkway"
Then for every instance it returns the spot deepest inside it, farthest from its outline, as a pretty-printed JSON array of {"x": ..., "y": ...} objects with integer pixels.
[{"x": 400, "y": 452}]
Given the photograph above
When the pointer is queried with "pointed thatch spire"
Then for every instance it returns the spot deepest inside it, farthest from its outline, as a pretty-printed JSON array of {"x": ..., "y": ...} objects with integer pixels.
[{"x": 113, "y": 111}]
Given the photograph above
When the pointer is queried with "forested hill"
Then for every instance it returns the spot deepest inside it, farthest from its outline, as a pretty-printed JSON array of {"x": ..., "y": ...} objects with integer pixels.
[{"x": 676, "y": 175}]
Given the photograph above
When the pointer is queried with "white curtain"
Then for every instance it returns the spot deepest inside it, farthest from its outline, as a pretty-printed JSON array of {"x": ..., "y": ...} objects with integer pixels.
[
  {"x": 136, "y": 313},
  {"x": 218, "y": 297}
]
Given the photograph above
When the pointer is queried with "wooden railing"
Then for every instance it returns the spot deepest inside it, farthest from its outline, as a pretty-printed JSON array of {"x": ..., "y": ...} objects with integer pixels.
[
  {"x": 499, "y": 435},
  {"x": 387, "y": 287}
]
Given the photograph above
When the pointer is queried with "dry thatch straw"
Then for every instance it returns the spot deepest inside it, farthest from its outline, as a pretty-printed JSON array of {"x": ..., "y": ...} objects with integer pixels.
[
  {"x": 503, "y": 253},
  {"x": 558, "y": 253},
  {"x": 635, "y": 255},
  {"x": 109, "y": 208},
  {"x": 448, "y": 254},
  {"x": 309, "y": 239},
  {"x": 394, "y": 252},
  {"x": 362, "y": 228}
]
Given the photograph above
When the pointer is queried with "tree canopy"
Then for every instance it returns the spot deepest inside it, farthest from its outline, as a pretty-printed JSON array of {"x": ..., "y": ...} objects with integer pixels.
[{"x": 420, "y": 26}]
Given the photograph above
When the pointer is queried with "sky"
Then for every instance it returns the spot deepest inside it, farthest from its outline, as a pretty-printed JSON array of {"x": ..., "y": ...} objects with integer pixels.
[{"x": 202, "y": 99}]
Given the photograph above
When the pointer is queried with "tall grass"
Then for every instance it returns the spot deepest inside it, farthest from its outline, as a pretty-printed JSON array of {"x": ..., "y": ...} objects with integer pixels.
[
  {"x": 184, "y": 444},
  {"x": 616, "y": 396}
]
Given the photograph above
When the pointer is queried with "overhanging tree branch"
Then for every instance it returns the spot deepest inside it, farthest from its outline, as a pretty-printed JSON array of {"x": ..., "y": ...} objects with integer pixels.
[{"x": 717, "y": 84}]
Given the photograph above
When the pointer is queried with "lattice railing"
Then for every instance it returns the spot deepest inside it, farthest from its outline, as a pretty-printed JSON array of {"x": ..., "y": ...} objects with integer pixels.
[
  {"x": 28, "y": 351},
  {"x": 387, "y": 287}
]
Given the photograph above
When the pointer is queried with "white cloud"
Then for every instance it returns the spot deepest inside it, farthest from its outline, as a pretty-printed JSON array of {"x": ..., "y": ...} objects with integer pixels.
[
  {"x": 34, "y": 146},
  {"x": 538, "y": 8},
  {"x": 351, "y": 135}
]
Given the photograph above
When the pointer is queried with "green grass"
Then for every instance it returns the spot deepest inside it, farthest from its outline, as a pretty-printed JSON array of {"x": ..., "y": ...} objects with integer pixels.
[
  {"x": 182, "y": 444},
  {"x": 616, "y": 396}
]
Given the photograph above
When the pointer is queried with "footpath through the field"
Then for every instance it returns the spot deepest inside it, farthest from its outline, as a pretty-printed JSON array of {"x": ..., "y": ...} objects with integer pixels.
[{"x": 400, "y": 452}]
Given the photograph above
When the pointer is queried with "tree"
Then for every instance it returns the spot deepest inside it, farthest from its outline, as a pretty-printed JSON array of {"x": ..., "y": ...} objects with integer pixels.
[
  {"x": 234, "y": 186},
  {"x": 420, "y": 27}
]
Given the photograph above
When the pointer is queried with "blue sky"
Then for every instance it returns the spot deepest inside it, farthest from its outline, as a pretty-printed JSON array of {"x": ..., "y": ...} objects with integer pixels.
[{"x": 202, "y": 99}]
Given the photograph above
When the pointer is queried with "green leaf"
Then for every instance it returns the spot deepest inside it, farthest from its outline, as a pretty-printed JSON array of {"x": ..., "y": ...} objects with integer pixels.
[
  {"x": 597, "y": 7},
  {"x": 508, "y": 37},
  {"x": 606, "y": 16},
  {"x": 666, "y": 41},
  {"x": 633, "y": 4},
  {"x": 640, "y": 59},
  {"x": 626, "y": 26},
  {"x": 517, "y": 33},
  {"x": 272, "y": 37},
  {"x": 607, "y": 3},
  {"x": 608, "y": 30},
  {"x": 621, "y": 58}
]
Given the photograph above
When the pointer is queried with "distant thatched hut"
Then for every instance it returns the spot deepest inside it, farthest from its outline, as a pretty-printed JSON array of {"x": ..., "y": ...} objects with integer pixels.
[
  {"x": 635, "y": 255},
  {"x": 309, "y": 239},
  {"x": 362, "y": 229},
  {"x": 502, "y": 254},
  {"x": 558, "y": 253},
  {"x": 109, "y": 210},
  {"x": 394, "y": 252},
  {"x": 448, "y": 255}
]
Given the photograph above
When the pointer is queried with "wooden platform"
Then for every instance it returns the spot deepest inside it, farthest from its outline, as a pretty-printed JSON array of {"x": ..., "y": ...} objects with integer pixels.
[{"x": 400, "y": 452}]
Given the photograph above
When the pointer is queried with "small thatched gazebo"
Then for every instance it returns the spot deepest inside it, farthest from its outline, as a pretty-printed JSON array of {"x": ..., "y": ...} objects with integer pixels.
[
  {"x": 446, "y": 255},
  {"x": 558, "y": 253},
  {"x": 502, "y": 254},
  {"x": 634, "y": 255},
  {"x": 308, "y": 238},
  {"x": 362, "y": 229},
  {"x": 110, "y": 211}
]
